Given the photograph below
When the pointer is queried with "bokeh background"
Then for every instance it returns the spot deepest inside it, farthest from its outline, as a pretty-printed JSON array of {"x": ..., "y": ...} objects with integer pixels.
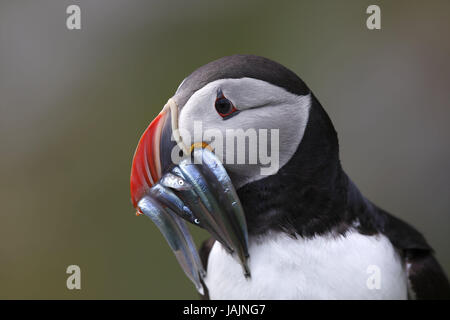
[{"x": 74, "y": 103}]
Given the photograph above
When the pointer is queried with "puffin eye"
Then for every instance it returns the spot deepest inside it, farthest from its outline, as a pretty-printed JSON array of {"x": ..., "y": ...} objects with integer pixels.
[{"x": 224, "y": 107}]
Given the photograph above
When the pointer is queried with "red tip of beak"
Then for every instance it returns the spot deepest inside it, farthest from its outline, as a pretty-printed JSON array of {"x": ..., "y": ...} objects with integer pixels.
[{"x": 146, "y": 168}]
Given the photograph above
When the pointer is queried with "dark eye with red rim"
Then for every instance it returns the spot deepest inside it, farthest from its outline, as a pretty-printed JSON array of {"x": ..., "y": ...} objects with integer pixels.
[{"x": 224, "y": 107}]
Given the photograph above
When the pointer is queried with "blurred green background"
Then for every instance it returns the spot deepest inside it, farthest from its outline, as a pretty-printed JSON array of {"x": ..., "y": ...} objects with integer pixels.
[{"x": 74, "y": 103}]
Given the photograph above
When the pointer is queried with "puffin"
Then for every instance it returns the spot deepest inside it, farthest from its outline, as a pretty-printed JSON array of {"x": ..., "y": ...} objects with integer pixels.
[{"x": 310, "y": 232}]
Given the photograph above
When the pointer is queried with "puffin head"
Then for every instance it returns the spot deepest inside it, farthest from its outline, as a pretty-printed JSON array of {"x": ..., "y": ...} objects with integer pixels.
[
  {"x": 263, "y": 124},
  {"x": 250, "y": 110}
]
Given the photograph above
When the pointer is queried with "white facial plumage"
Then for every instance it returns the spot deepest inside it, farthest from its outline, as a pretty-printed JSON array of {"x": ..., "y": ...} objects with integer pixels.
[{"x": 262, "y": 106}]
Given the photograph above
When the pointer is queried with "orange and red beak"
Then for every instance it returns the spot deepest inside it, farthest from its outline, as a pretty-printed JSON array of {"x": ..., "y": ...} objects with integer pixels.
[
  {"x": 146, "y": 168},
  {"x": 151, "y": 160},
  {"x": 153, "y": 155},
  {"x": 201, "y": 192}
]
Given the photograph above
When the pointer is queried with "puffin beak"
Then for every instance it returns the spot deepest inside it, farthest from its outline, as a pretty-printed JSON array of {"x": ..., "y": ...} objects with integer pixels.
[
  {"x": 146, "y": 195},
  {"x": 152, "y": 155},
  {"x": 197, "y": 189}
]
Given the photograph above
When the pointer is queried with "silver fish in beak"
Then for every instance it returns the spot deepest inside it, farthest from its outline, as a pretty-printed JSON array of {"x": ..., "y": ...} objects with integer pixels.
[
  {"x": 177, "y": 235},
  {"x": 197, "y": 189}
]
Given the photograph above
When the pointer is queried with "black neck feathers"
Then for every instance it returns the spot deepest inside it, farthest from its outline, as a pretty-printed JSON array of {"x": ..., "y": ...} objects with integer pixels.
[{"x": 308, "y": 195}]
